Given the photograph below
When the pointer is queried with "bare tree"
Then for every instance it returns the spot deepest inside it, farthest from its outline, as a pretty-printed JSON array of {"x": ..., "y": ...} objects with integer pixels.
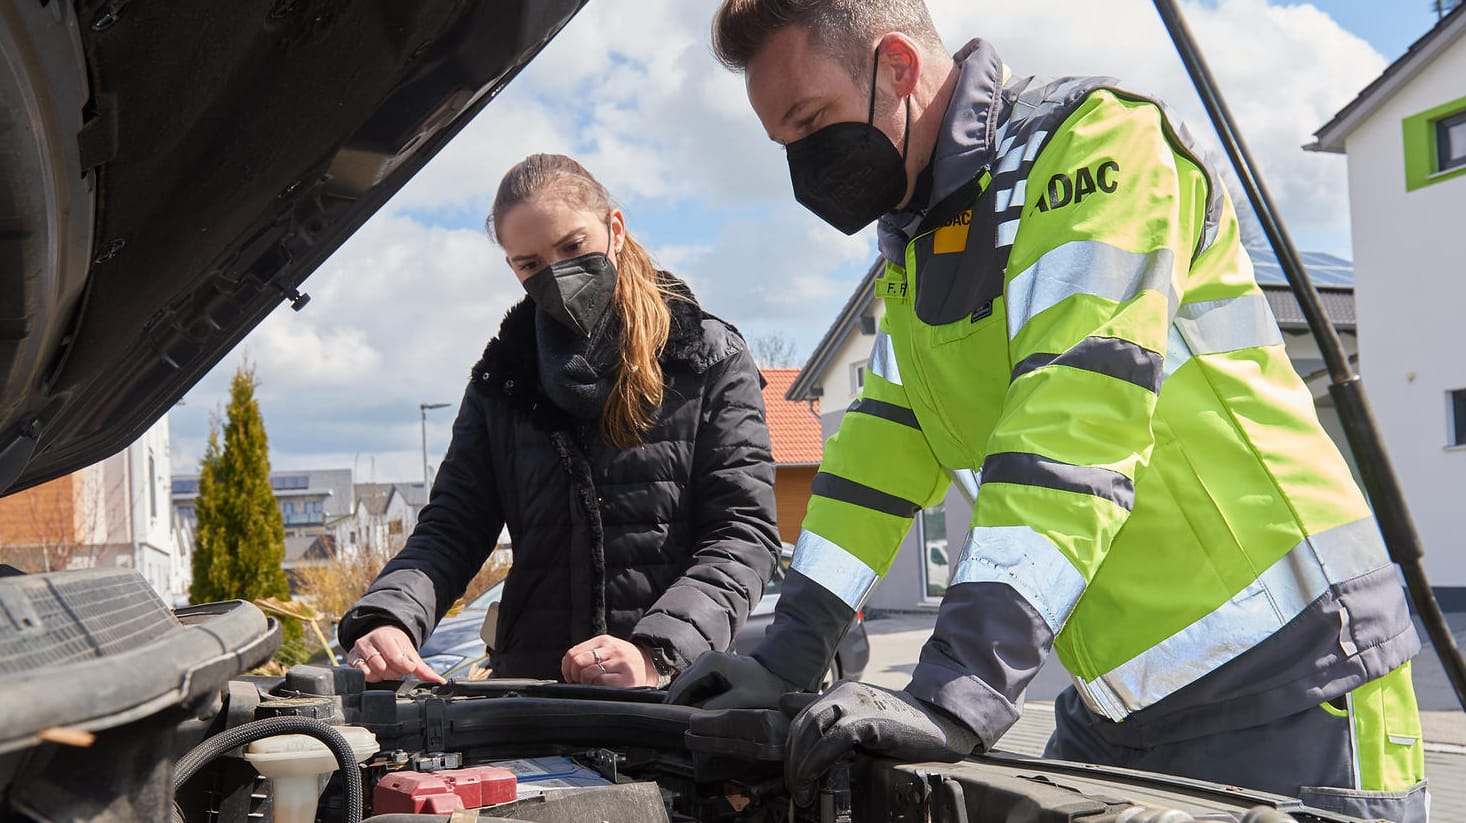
[
  {"x": 774, "y": 351},
  {"x": 61, "y": 524}
]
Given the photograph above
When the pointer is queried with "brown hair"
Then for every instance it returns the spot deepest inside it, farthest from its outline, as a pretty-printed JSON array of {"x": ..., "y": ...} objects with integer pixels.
[
  {"x": 640, "y": 298},
  {"x": 844, "y": 29}
]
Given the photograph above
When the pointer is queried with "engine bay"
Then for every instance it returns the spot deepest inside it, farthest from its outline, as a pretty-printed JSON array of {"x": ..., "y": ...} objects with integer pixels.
[{"x": 130, "y": 711}]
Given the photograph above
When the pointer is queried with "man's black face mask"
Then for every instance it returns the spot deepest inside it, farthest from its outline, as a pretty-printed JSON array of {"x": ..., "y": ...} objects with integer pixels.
[
  {"x": 576, "y": 292},
  {"x": 849, "y": 174}
]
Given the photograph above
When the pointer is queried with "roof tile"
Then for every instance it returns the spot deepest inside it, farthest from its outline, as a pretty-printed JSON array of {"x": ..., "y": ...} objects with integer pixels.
[{"x": 794, "y": 427}]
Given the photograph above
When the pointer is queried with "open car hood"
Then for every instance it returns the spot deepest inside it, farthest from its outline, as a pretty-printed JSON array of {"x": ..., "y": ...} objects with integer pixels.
[{"x": 171, "y": 172}]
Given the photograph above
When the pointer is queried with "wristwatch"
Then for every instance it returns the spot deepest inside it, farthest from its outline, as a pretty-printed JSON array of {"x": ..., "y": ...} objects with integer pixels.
[{"x": 665, "y": 670}]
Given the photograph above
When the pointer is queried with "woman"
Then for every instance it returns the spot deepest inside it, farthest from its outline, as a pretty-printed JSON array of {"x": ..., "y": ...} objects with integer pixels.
[{"x": 618, "y": 431}]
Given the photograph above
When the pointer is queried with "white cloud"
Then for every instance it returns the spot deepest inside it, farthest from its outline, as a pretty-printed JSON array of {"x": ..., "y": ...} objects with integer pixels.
[
  {"x": 402, "y": 311},
  {"x": 397, "y": 317},
  {"x": 784, "y": 272},
  {"x": 1283, "y": 70}
]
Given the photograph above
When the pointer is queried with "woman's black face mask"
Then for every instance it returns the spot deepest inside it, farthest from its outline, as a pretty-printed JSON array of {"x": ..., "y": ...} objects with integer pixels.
[
  {"x": 849, "y": 174},
  {"x": 576, "y": 292}
]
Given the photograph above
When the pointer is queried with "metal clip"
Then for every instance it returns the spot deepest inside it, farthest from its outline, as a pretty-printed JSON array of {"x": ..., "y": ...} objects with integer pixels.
[{"x": 108, "y": 15}]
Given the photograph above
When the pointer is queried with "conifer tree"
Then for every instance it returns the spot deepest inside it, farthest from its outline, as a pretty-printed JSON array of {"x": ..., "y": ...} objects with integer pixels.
[{"x": 239, "y": 545}]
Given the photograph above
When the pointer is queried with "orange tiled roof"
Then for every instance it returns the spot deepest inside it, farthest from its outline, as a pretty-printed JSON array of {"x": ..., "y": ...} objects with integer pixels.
[{"x": 794, "y": 430}]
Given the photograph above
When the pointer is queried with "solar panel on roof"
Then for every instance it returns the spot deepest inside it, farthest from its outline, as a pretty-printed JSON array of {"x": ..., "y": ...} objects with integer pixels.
[{"x": 1326, "y": 270}]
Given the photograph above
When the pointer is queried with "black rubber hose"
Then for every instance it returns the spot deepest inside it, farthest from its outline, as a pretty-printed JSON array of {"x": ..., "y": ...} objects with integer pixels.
[
  {"x": 224, "y": 741},
  {"x": 1380, "y": 481}
]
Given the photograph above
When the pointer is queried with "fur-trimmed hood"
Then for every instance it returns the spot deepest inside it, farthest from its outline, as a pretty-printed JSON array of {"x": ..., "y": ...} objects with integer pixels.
[{"x": 509, "y": 366}]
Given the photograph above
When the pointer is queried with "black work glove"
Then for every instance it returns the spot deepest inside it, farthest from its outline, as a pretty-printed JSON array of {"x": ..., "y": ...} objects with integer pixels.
[
  {"x": 876, "y": 721},
  {"x": 718, "y": 680}
]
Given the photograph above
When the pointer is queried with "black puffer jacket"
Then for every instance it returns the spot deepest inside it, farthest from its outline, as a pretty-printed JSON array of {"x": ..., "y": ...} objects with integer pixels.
[{"x": 668, "y": 544}]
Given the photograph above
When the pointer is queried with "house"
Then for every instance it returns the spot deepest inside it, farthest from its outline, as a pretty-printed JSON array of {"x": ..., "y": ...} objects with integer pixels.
[
  {"x": 385, "y": 515},
  {"x": 835, "y": 374},
  {"x": 112, "y": 514},
  {"x": 414, "y": 495},
  {"x": 1404, "y": 137},
  {"x": 316, "y": 506},
  {"x": 798, "y": 443}
]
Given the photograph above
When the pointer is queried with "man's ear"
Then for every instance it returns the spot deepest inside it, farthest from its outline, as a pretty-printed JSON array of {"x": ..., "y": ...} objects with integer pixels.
[{"x": 902, "y": 58}]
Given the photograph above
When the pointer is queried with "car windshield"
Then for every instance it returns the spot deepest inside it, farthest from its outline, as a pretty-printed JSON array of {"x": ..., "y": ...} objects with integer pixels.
[
  {"x": 488, "y": 598},
  {"x": 776, "y": 582}
]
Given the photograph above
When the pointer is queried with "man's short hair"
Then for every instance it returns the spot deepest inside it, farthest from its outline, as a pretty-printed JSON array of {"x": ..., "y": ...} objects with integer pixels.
[{"x": 844, "y": 29}]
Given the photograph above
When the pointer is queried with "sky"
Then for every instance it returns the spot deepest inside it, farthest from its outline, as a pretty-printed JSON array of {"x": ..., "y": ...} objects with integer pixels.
[{"x": 404, "y": 308}]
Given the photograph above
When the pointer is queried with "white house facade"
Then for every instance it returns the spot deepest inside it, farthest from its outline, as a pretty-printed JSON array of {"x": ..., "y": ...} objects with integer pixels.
[{"x": 1405, "y": 139}]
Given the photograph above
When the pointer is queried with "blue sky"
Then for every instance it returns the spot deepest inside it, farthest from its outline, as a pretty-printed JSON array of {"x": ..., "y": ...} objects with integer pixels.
[
  {"x": 1388, "y": 25},
  {"x": 404, "y": 308}
]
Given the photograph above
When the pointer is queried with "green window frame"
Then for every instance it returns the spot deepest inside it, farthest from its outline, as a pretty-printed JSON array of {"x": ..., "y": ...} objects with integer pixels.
[{"x": 1426, "y": 162}]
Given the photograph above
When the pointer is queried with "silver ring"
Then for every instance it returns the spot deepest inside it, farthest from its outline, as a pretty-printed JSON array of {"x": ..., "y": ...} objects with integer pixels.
[
  {"x": 603, "y": 668},
  {"x": 370, "y": 656},
  {"x": 596, "y": 655}
]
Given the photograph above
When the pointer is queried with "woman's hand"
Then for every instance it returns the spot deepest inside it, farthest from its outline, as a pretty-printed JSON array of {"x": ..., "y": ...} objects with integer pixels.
[
  {"x": 608, "y": 661},
  {"x": 387, "y": 653}
]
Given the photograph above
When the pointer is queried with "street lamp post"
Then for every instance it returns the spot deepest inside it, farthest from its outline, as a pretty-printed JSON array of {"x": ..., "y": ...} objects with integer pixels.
[{"x": 423, "y": 409}]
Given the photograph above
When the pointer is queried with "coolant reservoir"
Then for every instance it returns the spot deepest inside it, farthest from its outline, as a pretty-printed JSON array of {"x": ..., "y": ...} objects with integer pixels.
[{"x": 295, "y": 762}]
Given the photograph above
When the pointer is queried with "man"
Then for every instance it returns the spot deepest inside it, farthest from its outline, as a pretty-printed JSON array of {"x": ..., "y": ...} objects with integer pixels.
[{"x": 1073, "y": 331}]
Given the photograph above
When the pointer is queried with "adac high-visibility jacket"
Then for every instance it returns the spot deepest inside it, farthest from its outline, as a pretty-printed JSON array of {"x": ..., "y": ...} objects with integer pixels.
[{"x": 1074, "y": 330}]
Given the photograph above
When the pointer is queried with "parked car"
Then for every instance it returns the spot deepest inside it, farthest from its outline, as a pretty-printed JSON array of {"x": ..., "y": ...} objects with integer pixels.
[{"x": 459, "y": 641}]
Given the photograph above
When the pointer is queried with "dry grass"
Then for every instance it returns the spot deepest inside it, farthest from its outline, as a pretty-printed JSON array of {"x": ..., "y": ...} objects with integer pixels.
[
  {"x": 496, "y": 569},
  {"x": 335, "y": 587}
]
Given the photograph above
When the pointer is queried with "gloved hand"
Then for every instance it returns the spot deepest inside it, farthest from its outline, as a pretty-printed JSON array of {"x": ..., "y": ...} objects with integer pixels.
[
  {"x": 877, "y": 721},
  {"x": 718, "y": 680}
]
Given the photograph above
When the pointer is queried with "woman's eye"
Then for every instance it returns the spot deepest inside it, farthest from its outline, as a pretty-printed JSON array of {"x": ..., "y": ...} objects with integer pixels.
[{"x": 575, "y": 245}]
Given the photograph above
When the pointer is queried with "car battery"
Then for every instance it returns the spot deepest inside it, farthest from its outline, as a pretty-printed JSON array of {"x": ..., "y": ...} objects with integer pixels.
[
  {"x": 543, "y": 774},
  {"x": 443, "y": 792}
]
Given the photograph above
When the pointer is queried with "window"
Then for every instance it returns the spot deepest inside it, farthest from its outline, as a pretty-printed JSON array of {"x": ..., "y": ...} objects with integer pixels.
[
  {"x": 1456, "y": 402},
  {"x": 287, "y": 508},
  {"x": 1435, "y": 145},
  {"x": 152, "y": 489},
  {"x": 1450, "y": 142},
  {"x": 936, "y": 561},
  {"x": 857, "y": 377}
]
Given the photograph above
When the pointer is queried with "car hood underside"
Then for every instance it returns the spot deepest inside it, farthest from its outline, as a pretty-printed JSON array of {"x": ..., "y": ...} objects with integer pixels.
[{"x": 171, "y": 172}]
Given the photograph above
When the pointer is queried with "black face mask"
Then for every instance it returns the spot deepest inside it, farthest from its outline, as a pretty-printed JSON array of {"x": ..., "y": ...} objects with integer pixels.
[
  {"x": 849, "y": 174},
  {"x": 576, "y": 292}
]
